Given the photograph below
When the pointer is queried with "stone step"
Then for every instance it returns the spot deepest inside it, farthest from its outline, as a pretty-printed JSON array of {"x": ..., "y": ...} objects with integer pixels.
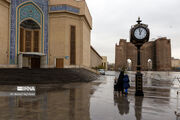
[{"x": 36, "y": 76}]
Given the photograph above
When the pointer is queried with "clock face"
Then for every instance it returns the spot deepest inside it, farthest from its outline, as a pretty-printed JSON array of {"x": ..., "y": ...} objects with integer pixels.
[{"x": 140, "y": 33}]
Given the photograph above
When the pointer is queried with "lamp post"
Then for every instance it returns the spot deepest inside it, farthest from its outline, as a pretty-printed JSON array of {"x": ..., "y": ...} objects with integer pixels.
[{"x": 139, "y": 34}]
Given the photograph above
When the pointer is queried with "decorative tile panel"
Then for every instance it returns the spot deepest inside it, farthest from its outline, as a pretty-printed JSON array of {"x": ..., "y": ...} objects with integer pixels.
[
  {"x": 29, "y": 11},
  {"x": 64, "y": 8},
  {"x": 15, "y": 4}
]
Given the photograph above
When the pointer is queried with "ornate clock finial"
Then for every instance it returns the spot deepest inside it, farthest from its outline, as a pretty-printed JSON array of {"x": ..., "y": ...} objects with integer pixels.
[{"x": 139, "y": 20}]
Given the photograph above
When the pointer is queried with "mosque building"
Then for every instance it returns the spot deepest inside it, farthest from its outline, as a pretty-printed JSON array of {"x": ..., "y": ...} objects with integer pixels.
[{"x": 45, "y": 34}]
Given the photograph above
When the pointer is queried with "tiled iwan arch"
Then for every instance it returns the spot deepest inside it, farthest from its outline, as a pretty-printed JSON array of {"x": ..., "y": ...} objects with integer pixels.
[{"x": 22, "y": 10}]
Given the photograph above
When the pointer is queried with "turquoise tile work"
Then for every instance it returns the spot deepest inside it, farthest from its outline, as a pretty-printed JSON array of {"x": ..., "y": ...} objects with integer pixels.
[
  {"x": 64, "y": 8},
  {"x": 30, "y": 11},
  {"x": 38, "y": 11}
]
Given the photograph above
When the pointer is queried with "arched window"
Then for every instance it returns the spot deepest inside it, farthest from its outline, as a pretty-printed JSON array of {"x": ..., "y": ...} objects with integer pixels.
[{"x": 29, "y": 36}]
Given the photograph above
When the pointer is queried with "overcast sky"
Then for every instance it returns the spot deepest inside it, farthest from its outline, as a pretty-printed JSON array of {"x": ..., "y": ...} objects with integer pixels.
[{"x": 112, "y": 20}]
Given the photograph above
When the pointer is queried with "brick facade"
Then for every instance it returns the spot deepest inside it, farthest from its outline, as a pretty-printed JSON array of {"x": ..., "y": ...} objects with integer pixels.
[{"x": 158, "y": 51}]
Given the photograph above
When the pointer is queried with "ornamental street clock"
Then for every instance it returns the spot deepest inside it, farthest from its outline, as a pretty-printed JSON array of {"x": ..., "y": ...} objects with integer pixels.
[{"x": 139, "y": 34}]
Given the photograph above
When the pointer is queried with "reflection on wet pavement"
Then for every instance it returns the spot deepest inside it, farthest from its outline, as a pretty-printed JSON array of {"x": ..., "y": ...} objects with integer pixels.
[
  {"x": 69, "y": 102},
  {"x": 159, "y": 101},
  {"x": 94, "y": 101}
]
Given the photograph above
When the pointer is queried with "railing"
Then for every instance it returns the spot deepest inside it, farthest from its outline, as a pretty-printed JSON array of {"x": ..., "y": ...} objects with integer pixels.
[
  {"x": 153, "y": 75},
  {"x": 176, "y": 79}
]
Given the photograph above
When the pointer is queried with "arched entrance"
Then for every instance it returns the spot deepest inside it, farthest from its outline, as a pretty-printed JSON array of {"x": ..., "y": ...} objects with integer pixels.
[
  {"x": 129, "y": 64},
  {"x": 30, "y": 36},
  {"x": 149, "y": 64},
  {"x": 29, "y": 43}
]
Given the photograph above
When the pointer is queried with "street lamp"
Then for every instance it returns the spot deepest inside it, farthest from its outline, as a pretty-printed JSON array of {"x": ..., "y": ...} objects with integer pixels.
[{"x": 139, "y": 34}]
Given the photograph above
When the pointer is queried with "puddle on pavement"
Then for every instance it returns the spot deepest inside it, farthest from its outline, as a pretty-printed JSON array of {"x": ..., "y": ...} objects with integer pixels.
[{"x": 92, "y": 101}]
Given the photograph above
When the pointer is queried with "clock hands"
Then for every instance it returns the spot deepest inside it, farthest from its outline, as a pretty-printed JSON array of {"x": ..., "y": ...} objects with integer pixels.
[{"x": 140, "y": 31}]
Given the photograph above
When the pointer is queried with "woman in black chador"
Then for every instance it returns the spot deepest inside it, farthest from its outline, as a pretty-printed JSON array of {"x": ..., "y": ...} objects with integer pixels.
[{"x": 119, "y": 84}]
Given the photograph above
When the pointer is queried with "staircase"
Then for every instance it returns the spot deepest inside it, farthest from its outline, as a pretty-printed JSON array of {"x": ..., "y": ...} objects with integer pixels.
[{"x": 45, "y": 76}]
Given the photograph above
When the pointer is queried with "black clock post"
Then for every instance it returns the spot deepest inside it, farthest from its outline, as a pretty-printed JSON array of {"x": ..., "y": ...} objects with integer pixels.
[{"x": 139, "y": 34}]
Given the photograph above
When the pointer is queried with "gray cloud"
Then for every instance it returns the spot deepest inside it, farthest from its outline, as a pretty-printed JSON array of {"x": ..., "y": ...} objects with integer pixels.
[{"x": 112, "y": 20}]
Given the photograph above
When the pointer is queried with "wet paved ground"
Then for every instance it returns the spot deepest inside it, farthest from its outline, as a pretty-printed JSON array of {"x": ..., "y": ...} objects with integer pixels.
[
  {"x": 158, "y": 103},
  {"x": 95, "y": 100}
]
